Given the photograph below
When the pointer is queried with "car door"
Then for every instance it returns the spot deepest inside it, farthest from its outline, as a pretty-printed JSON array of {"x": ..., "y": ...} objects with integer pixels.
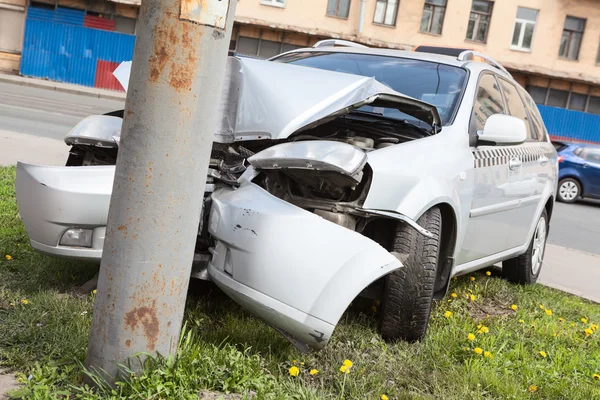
[
  {"x": 590, "y": 170},
  {"x": 534, "y": 166},
  {"x": 494, "y": 208}
]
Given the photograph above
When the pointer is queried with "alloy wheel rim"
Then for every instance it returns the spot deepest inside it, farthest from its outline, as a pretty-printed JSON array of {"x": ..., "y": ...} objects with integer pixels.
[
  {"x": 539, "y": 244},
  {"x": 568, "y": 190}
]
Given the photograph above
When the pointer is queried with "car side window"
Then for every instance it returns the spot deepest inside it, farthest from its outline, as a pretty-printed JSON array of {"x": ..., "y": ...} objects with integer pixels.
[
  {"x": 516, "y": 107},
  {"x": 536, "y": 119},
  {"x": 487, "y": 103},
  {"x": 592, "y": 155}
]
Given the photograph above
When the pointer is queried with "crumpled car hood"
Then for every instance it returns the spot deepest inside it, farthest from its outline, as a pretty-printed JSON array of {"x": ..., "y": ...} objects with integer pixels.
[{"x": 269, "y": 100}]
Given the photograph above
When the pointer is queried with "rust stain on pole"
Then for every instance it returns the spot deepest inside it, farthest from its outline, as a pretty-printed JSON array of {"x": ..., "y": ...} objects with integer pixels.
[{"x": 147, "y": 318}]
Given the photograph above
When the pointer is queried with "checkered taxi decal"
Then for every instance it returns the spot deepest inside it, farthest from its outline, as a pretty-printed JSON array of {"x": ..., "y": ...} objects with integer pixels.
[{"x": 502, "y": 155}]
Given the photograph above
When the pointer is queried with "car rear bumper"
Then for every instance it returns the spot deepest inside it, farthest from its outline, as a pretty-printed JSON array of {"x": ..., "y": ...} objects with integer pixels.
[{"x": 52, "y": 200}]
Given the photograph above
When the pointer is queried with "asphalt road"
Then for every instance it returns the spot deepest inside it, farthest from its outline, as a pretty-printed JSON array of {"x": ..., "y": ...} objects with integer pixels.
[
  {"x": 47, "y": 113},
  {"x": 51, "y": 114}
]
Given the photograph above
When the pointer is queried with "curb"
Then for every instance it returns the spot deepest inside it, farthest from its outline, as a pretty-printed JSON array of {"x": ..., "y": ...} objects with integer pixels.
[{"x": 61, "y": 87}]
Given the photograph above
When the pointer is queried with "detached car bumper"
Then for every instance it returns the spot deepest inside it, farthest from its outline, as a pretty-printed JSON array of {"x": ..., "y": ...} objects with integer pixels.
[
  {"x": 292, "y": 268},
  {"x": 54, "y": 200}
]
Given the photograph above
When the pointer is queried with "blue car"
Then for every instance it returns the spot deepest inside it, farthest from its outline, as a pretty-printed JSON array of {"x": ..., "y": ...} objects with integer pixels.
[{"x": 579, "y": 171}]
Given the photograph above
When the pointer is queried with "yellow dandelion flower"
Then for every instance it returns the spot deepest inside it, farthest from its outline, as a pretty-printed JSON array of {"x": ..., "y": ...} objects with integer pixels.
[
  {"x": 294, "y": 362},
  {"x": 345, "y": 369},
  {"x": 594, "y": 327},
  {"x": 25, "y": 301},
  {"x": 521, "y": 321},
  {"x": 454, "y": 295},
  {"x": 596, "y": 377},
  {"x": 514, "y": 307},
  {"x": 384, "y": 397},
  {"x": 548, "y": 311},
  {"x": 294, "y": 371},
  {"x": 470, "y": 337},
  {"x": 314, "y": 371},
  {"x": 572, "y": 325},
  {"x": 543, "y": 354},
  {"x": 588, "y": 332},
  {"x": 555, "y": 334},
  {"x": 348, "y": 363},
  {"x": 488, "y": 354},
  {"x": 542, "y": 307},
  {"x": 94, "y": 291},
  {"x": 478, "y": 350},
  {"x": 561, "y": 320},
  {"x": 373, "y": 308},
  {"x": 532, "y": 389},
  {"x": 302, "y": 363},
  {"x": 448, "y": 314},
  {"x": 584, "y": 320},
  {"x": 488, "y": 273},
  {"x": 472, "y": 297},
  {"x": 8, "y": 257},
  {"x": 472, "y": 278},
  {"x": 483, "y": 329}
]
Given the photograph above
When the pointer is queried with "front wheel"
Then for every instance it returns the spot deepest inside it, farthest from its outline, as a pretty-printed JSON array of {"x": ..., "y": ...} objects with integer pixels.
[
  {"x": 568, "y": 190},
  {"x": 408, "y": 292},
  {"x": 525, "y": 269}
]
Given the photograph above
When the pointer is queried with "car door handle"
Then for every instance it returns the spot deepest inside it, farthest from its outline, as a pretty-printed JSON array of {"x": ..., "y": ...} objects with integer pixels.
[
  {"x": 543, "y": 160},
  {"x": 586, "y": 165},
  {"x": 514, "y": 164}
]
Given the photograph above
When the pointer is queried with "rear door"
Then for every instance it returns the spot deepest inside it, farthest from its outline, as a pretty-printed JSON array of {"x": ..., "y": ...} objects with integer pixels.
[{"x": 590, "y": 170}]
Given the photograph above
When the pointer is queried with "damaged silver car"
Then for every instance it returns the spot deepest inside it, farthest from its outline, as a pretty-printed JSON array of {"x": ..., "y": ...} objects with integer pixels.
[{"x": 337, "y": 172}]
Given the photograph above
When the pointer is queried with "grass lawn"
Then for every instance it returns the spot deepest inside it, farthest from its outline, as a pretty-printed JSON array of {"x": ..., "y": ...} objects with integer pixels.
[{"x": 539, "y": 350}]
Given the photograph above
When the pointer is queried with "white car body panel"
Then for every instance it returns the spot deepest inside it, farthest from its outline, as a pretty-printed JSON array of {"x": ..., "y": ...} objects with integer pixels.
[
  {"x": 292, "y": 256},
  {"x": 291, "y": 267}
]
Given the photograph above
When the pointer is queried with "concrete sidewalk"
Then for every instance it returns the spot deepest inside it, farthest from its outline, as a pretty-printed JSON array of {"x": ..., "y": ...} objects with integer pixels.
[
  {"x": 63, "y": 87},
  {"x": 31, "y": 149},
  {"x": 572, "y": 271}
]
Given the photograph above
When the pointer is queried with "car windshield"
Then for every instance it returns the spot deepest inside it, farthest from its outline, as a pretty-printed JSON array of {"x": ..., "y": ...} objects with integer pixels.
[{"x": 437, "y": 84}]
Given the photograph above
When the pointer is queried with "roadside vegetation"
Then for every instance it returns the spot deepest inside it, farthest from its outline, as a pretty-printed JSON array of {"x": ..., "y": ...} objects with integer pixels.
[{"x": 487, "y": 339}]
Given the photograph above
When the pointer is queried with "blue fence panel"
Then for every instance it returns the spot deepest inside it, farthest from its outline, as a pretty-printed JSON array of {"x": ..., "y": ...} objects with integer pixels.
[
  {"x": 68, "y": 52},
  {"x": 69, "y": 16},
  {"x": 569, "y": 124},
  {"x": 40, "y": 13}
]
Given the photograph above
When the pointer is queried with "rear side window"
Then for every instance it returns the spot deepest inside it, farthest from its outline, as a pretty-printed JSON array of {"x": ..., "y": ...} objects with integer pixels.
[
  {"x": 516, "y": 107},
  {"x": 590, "y": 154},
  {"x": 536, "y": 119},
  {"x": 488, "y": 101}
]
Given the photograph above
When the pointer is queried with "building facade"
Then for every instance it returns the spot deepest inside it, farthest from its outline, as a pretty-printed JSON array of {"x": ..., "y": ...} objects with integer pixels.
[{"x": 550, "y": 46}]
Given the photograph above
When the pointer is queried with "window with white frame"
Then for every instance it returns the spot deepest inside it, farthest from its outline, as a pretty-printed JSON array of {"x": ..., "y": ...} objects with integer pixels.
[
  {"x": 524, "y": 28},
  {"x": 338, "y": 8},
  {"x": 433, "y": 16},
  {"x": 274, "y": 3},
  {"x": 479, "y": 20},
  {"x": 385, "y": 12}
]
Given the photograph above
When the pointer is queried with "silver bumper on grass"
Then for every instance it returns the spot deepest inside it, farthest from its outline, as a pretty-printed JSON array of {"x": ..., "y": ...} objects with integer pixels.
[{"x": 64, "y": 209}]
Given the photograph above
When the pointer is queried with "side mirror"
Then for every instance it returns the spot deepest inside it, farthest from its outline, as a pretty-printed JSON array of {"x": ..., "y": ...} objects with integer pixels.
[{"x": 502, "y": 129}]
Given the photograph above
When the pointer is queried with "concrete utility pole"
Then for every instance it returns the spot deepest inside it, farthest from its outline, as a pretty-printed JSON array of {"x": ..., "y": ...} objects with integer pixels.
[{"x": 175, "y": 85}]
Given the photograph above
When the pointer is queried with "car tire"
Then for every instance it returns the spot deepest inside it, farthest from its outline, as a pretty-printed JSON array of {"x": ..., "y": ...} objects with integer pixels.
[
  {"x": 408, "y": 291},
  {"x": 569, "y": 190},
  {"x": 525, "y": 269}
]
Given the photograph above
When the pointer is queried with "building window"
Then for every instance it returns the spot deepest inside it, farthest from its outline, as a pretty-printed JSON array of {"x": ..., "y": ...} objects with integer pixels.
[
  {"x": 261, "y": 48},
  {"x": 433, "y": 16},
  {"x": 274, "y": 3},
  {"x": 479, "y": 21},
  {"x": 557, "y": 98},
  {"x": 594, "y": 105},
  {"x": 570, "y": 42},
  {"x": 338, "y": 8},
  {"x": 385, "y": 12},
  {"x": 524, "y": 28}
]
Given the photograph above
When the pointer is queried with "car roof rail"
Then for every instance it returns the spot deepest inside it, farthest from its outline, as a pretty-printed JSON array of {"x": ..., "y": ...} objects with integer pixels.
[
  {"x": 470, "y": 55},
  {"x": 337, "y": 42}
]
